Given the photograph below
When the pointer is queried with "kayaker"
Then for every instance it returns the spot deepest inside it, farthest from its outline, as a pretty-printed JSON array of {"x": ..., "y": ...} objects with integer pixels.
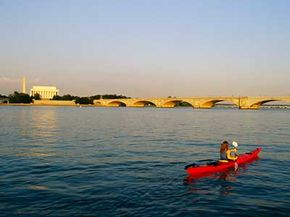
[
  {"x": 223, "y": 151},
  {"x": 232, "y": 153}
]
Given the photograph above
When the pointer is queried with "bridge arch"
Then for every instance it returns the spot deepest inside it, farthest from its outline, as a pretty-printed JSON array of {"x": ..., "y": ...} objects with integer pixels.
[
  {"x": 144, "y": 103},
  {"x": 174, "y": 103},
  {"x": 117, "y": 103},
  {"x": 258, "y": 104},
  {"x": 211, "y": 103},
  {"x": 171, "y": 103},
  {"x": 279, "y": 103},
  {"x": 226, "y": 104}
]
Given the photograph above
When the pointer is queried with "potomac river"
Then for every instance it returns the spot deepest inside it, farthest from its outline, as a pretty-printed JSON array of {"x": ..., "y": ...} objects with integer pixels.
[{"x": 70, "y": 161}]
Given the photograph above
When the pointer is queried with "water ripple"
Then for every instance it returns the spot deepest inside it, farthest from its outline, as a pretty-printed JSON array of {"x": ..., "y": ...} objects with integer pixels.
[{"x": 129, "y": 162}]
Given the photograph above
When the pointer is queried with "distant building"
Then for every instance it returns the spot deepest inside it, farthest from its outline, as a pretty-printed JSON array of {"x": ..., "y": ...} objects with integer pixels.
[{"x": 45, "y": 92}]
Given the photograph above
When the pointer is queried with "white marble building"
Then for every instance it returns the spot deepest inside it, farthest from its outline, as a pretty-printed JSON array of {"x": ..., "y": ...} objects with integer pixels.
[{"x": 45, "y": 92}]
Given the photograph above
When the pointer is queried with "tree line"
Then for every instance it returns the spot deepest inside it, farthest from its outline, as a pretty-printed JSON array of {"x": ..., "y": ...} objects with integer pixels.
[
  {"x": 89, "y": 99},
  {"x": 17, "y": 97},
  {"x": 3, "y": 96}
]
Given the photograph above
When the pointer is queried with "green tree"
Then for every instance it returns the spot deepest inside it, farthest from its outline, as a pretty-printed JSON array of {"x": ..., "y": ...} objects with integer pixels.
[
  {"x": 88, "y": 100},
  {"x": 109, "y": 96},
  {"x": 36, "y": 96},
  {"x": 84, "y": 100},
  {"x": 56, "y": 97},
  {"x": 3, "y": 99},
  {"x": 96, "y": 97},
  {"x": 67, "y": 97},
  {"x": 19, "y": 98}
]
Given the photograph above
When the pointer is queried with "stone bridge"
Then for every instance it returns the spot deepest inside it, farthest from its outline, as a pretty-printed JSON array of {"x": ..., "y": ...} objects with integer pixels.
[{"x": 244, "y": 102}]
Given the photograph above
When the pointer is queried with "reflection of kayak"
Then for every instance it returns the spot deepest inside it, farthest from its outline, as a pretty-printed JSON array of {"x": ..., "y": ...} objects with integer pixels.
[{"x": 215, "y": 167}]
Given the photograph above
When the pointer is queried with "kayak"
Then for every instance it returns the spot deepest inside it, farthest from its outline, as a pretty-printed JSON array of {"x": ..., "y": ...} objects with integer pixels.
[{"x": 216, "y": 167}]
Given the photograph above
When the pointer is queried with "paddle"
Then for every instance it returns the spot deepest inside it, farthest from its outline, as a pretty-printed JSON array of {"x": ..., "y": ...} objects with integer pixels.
[
  {"x": 205, "y": 160},
  {"x": 209, "y": 162},
  {"x": 236, "y": 163},
  {"x": 236, "y": 166},
  {"x": 191, "y": 165},
  {"x": 235, "y": 144}
]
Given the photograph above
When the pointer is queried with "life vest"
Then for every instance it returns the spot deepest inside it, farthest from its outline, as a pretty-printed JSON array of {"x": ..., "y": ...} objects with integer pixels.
[
  {"x": 232, "y": 154},
  {"x": 223, "y": 161}
]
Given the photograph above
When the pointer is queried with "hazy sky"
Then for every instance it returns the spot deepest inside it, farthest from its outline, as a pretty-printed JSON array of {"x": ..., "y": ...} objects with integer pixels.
[{"x": 147, "y": 48}]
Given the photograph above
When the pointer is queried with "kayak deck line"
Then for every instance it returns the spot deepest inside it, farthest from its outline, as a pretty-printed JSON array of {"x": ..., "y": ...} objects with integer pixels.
[{"x": 215, "y": 167}]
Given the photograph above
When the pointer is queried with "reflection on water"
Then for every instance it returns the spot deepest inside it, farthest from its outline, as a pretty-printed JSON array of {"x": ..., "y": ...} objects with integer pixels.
[
  {"x": 43, "y": 128},
  {"x": 37, "y": 187},
  {"x": 66, "y": 161},
  {"x": 43, "y": 123},
  {"x": 223, "y": 182},
  {"x": 37, "y": 125}
]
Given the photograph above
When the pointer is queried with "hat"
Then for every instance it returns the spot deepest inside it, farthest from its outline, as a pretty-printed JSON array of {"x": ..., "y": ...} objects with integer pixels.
[{"x": 235, "y": 144}]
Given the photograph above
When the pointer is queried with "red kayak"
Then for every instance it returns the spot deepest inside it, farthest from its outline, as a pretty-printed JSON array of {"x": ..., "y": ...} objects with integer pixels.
[{"x": 215, "y": 167}]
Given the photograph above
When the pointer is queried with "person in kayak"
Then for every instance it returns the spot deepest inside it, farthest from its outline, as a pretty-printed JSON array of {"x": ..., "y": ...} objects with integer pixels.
[
  {"x": 232, "y": 153},
  {"x": 223, "y": 151}
]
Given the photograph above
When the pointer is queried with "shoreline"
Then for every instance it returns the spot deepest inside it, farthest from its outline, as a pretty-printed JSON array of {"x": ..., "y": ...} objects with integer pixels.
[
  {"x": 31, "y": 104},
  {"x": 282, "y": 107}
]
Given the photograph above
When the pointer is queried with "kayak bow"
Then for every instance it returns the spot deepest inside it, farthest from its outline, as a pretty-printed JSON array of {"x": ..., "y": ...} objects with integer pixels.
[{"x": 197, "y": 170}]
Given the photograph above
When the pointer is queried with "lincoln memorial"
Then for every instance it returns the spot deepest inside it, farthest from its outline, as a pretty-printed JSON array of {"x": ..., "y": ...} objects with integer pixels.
[{"x": 45, "y": 92}]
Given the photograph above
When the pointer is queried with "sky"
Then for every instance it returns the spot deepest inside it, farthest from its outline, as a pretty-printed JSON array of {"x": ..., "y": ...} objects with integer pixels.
[{"x": 147, "y": 48}]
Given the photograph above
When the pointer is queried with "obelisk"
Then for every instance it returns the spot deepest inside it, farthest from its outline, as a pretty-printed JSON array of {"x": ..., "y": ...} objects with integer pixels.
[{"x": 23, "y": 85}]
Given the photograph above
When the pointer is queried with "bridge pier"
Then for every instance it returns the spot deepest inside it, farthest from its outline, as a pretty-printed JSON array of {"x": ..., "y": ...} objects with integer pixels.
[{"x": 248, "y": 103}]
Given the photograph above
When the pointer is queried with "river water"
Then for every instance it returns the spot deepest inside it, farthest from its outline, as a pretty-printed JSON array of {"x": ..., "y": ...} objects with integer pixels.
[{"x": 70, "y": 161}]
